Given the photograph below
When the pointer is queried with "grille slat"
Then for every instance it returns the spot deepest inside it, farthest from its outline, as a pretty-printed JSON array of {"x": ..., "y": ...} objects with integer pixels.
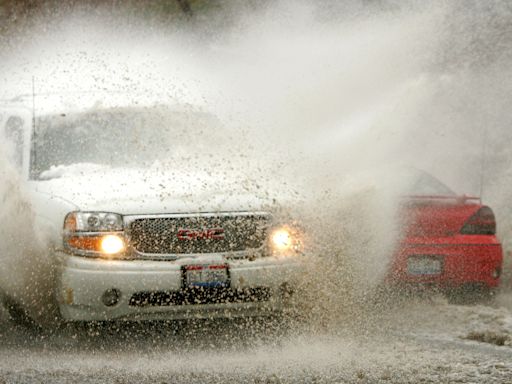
[
  {"x": 200, "y": 296},
  {"x": 198, "y": 234}
]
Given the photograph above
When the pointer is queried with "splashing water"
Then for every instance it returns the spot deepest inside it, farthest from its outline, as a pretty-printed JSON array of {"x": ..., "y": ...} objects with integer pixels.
[{"x": 318, "y": 97}]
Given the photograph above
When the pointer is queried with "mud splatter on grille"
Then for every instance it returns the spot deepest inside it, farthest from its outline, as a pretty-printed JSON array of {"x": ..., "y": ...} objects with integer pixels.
[{"x": 199, "y": 234}]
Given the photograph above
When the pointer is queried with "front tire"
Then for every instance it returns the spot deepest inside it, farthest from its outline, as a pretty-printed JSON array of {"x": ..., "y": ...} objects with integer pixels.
[{"x": 19, "y": 316}]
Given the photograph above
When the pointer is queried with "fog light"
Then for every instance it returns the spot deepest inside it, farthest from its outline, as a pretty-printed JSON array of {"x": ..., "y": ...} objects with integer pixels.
[
  {"x": 111, "y": 297},
  {"x": 496, "y": 273}
]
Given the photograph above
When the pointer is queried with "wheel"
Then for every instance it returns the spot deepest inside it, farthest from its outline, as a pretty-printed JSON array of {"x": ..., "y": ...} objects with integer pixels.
[{"x": 19, "y": 316}]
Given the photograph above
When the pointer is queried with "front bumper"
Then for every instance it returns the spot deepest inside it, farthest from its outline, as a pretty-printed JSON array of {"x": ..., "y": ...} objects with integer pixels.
[{"x": 84, "y": 281}]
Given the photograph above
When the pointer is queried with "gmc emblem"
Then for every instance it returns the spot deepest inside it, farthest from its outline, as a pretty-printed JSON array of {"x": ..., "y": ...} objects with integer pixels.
[{"x": 209, "y": 234}]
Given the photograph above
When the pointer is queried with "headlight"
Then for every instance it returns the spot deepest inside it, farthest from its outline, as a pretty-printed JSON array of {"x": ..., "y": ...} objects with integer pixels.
[
  {"x": 112, "y": 244},
  {"x": 286, "y": 240},
  {"x": 93, "y": 222},
  {"x": 94, "y": 234}
]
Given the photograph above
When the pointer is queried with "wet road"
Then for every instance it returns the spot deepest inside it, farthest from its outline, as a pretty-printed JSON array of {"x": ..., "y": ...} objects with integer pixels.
[{"x": 414, "y": 341}]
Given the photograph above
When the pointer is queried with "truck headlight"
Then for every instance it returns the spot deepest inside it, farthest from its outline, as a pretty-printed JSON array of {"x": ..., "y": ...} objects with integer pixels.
[
  {"x": 282, "y": 239},
  {"x": 93, "y": 222},
  {"x": 94, "y": 234},
  {"x": 286, "y": 240},
  {"x": 112, "y": 244}
]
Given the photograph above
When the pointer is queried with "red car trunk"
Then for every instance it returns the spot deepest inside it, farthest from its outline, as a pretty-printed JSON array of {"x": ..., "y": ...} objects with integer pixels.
[
  {"x": 436, "y": 217},
  {"x": 447, "y": 241}
]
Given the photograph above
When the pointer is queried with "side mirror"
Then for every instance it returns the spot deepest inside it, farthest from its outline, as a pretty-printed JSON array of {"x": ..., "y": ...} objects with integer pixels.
[{"x": 14, "y": 133}]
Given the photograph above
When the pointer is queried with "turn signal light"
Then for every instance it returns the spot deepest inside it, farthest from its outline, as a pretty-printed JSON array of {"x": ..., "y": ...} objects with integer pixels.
[{"x": 104, "y": 244}]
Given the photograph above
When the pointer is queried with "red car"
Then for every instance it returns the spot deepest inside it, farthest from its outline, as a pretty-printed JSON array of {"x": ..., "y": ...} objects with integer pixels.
[{"x": 449, "y": 243}]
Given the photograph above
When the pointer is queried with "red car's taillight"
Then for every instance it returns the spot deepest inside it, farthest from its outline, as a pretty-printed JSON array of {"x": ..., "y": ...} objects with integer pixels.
[{"x": 482, "y": 222}]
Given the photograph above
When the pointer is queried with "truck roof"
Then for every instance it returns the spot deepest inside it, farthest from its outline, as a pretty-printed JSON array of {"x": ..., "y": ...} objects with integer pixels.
[{"x": 80, "y": 101}]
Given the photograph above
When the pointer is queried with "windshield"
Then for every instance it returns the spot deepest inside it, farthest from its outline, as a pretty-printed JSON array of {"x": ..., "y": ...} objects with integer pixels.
[
  {"x": 119, "y": 137},
  {"x": 425, "y": 184}
]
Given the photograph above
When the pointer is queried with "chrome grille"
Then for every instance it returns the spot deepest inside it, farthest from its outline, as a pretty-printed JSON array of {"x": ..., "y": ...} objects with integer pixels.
[{"x": 197, "y": 234}]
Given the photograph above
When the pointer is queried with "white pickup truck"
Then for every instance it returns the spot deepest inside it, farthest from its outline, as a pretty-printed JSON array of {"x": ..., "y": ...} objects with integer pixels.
[{"x": 136, "y": 231}]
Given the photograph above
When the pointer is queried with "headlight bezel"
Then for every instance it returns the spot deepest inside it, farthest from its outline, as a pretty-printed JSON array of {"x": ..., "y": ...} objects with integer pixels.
[
  {"x": 93, "y": 221},
  {"x": 85, "y": 237}
]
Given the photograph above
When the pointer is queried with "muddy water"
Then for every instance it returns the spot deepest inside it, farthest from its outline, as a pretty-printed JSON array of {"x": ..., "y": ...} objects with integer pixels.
[{"x": 415, "y": 341}]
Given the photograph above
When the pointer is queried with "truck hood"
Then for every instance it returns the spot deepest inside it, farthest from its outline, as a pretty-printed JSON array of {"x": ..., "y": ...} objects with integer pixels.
[{"x": 130, "y": 191}]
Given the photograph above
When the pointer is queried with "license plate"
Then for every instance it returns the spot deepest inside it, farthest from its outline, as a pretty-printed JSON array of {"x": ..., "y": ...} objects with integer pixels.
[
  {"x": 424, "y": 265},
  {"x": 206, "y": 276}
]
